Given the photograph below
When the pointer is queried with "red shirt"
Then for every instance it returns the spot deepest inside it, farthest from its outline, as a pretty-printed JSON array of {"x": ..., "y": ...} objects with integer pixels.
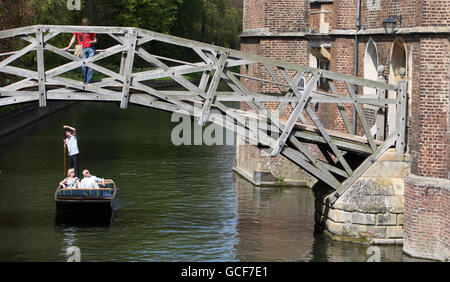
[{"x": 87, "y": 41}]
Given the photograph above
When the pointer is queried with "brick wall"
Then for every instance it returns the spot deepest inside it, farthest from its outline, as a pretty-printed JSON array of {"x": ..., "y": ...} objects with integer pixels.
[
  {"x": 426, "y": 197},
  {"x": 431, "y": 110},
  {"x": 277, "y": 15},
  {"x": 342, "y": 61},
  {"x": 253, "y": 14},
  {"x": 426, "y": 221},
  {"x": 373, "y": 13},
  {"x": 344, "y": 16},
  {"x": 286, "y": 15},
  {"x": 288, "y": 49},
  {"x": 435, "y": 12}
]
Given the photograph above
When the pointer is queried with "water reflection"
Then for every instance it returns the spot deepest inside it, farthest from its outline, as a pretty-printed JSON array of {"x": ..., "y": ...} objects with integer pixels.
[
  {"x": 277, "y": 224},
  {"x": 274, "y": 224}
]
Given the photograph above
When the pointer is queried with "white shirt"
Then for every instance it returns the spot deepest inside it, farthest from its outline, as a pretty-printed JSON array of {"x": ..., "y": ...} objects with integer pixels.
[
  {"x": 90, "y": 182},
  {"x": 72, "y": 145}
]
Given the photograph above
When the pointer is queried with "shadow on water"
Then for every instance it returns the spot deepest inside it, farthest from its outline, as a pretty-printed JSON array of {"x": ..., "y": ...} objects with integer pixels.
[{"x": 84, "y": 216}]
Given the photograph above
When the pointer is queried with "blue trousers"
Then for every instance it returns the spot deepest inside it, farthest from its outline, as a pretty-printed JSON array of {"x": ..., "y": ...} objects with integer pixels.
[{"x": 87, "y": 72}]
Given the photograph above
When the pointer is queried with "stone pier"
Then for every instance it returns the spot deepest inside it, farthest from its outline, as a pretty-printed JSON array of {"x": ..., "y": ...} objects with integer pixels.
[{"x": 372, "y": 210}]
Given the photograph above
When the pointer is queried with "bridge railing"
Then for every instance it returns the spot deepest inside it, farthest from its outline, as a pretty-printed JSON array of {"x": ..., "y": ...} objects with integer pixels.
[{"x": 269, "y": 88}]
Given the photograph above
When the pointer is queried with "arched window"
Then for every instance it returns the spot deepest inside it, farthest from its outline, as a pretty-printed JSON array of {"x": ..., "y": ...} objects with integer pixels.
[
  {"x": 398, "y": 61},
  {"x": 370, "y": 65}
]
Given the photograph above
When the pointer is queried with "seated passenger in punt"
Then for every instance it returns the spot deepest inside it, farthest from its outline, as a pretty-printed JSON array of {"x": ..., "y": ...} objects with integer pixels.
[
  {"x": 71, "y": 181},
  {"x": 91, "y": 181}
]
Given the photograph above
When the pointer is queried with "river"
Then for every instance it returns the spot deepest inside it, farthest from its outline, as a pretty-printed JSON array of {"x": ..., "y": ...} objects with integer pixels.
[{"x": 175, "y": 203}]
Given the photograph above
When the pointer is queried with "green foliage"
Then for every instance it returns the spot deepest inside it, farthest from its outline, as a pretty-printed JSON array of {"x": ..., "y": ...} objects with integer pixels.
[
  {"x": 52, "y": 12},
  {"x": 156, "y": 15},
  {"x": 210, "y": 21}
]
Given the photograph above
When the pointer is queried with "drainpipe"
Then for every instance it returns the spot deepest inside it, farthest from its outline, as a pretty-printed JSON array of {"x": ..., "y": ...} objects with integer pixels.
[{"x": 358, "y": 28}]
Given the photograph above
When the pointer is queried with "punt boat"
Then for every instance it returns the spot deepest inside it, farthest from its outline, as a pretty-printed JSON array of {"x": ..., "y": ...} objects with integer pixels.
[{"x": 103, "y": 196}]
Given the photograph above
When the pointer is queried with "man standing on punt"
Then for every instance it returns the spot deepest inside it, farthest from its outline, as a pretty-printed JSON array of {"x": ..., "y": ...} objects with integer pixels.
[{"x": 72, "y": 147}]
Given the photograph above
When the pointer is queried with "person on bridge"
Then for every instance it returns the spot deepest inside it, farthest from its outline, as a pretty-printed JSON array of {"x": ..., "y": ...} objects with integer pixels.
[
  {"x": 91, "y": 181},
  {"x": 87, "y": 42},
  {"x": 71, "y": 143}
]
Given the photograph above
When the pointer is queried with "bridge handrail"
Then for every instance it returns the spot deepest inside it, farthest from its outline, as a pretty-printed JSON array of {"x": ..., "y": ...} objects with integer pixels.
[{"x": 191, "y": 43}]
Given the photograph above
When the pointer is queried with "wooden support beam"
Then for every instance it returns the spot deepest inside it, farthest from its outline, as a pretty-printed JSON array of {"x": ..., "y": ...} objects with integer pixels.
[
  {"x": 123, "y": 60},
  {"x": 297, "y": 158},
  {"x": 18, "y": 85},
  {"x": 361, "y": 116},
  {"x": 237, "y": 86},
  {"x": 24, "y": 97},
  {"x": 234, "y": 83},
  {"x": 17, "y": 55},
  {"x": 74, "y": 95},
  {"x": 296, "y": 91},
  {"x": 153, "y": 92},
  {"x": 204, "y": 80},
  {"x": 341, "y": 108},
  {"x": 342, "y": 144},
  {"x": 402, "y": 102},
  {"x": 128, "y": 68},
  {"x": 211, "y": 95},
  {"x": 17, "y": 31},
  {"x": 295, "y": 114},
  {"x": 326, "y": 173},
  {"x": 41, "y": 68},
  {"x": 78, "y": 62},
  {"x": 329, "y": 141},
  {"x": 380, "y": 122}
]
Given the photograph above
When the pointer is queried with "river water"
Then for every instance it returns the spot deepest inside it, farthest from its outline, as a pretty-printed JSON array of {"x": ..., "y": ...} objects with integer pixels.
[{"x": 175, "y": 203}]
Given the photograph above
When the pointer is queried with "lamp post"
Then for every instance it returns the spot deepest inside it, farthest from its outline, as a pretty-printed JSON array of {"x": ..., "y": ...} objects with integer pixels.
[{"x": 391, "y": 22}]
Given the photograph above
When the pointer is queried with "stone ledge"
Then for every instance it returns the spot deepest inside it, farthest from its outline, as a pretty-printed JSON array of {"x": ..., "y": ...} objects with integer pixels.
[
  {"x": 379, "y": 241},
  {"x": 428, "y": 181},
  {"x": 416, "y": 254},
  {"x": 252, "y": 180},
  {"x": 265, "y": 32},
  {"x": 244, "y": 174}
]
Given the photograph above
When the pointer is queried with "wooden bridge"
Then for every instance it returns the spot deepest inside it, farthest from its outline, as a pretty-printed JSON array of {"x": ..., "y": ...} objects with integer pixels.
[{"x": 295, "y": 94}]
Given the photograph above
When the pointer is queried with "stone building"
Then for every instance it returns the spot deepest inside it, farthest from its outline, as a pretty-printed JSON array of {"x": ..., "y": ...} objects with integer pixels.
[{"x": 363, "y": 37}]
